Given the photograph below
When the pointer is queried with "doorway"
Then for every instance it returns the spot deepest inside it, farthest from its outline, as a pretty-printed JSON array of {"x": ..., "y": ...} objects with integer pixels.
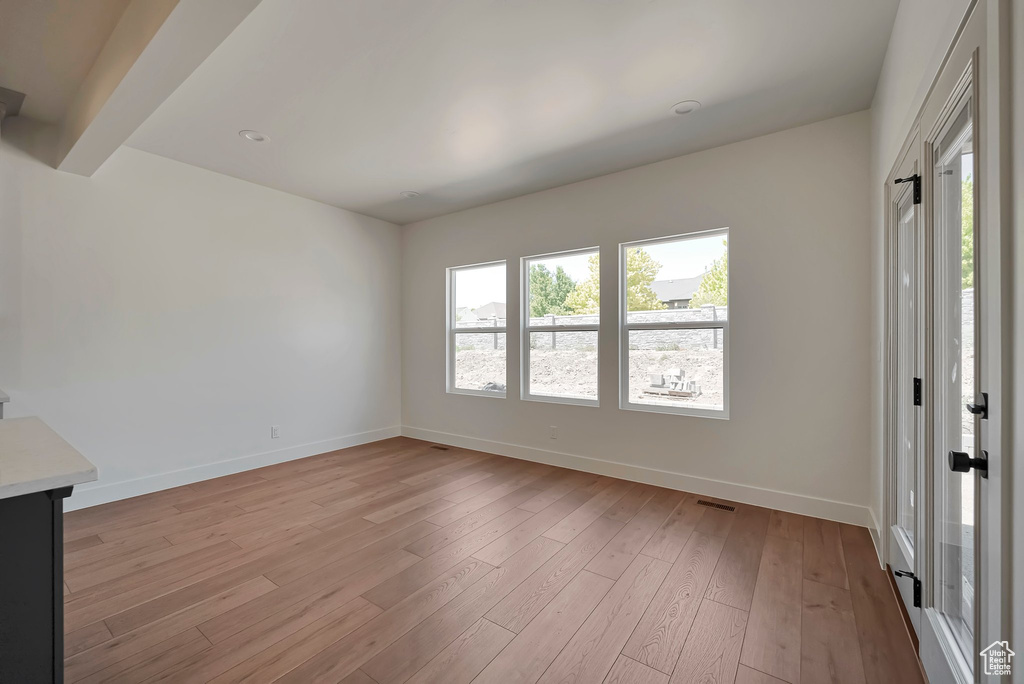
[{"x": 945, "y": 231}]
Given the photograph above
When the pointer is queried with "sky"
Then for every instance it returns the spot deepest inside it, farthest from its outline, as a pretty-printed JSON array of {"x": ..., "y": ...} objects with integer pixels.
[
  {"x": 478, "y": 286},
  {"x": 682, "y": 259}
]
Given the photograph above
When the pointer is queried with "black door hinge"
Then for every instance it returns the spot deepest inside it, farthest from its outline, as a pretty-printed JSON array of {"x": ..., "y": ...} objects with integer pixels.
[
  {"x": 917, "y": 585},
  {"x": 917, "y": 391},
  {"x": 916, "y": 180}
]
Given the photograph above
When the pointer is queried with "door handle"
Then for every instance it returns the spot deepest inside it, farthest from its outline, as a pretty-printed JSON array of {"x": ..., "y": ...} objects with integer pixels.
[
  {"x": 961, "y": 462},
  {"x": 980, "y": 409},
  {"x": 917, "y": 585}
]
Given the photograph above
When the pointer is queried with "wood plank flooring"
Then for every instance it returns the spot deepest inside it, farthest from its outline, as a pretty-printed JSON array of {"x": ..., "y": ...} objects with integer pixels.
[{"x": 399, "y": 561}]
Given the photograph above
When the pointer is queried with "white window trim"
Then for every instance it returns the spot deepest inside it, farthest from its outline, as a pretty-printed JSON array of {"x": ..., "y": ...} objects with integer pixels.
[
  {"x": 451, "y": 331},
  {"x": 526, "y": 329},
  {"x": 624, "y": 329}
]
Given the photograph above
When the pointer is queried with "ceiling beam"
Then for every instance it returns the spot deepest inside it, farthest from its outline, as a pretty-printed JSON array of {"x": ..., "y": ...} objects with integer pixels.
[{"x": 155, "y": 46}]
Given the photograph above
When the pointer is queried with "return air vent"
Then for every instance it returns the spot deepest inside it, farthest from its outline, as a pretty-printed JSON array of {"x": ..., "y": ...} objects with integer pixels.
[
  {"x": 439, "y": 447},
  {"x": 712, "y": 504}
]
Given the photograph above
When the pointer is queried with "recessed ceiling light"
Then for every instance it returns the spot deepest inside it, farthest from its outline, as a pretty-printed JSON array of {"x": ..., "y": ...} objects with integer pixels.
[
  {"x": 254, "y": 136},
  {"x": 685, "y": 107},
  {"x": 410, "y": 194}
]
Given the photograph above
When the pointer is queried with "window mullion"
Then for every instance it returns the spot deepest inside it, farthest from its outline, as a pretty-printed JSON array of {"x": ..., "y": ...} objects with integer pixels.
[
  {"x": 478, "y": 331},
  {"x": 677, "y": 325},
  {"x": 583, "y": 327}
]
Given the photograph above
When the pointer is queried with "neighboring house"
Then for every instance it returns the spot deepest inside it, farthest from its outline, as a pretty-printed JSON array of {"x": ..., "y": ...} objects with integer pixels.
[
  {"x": 464, "y": 314},
  {"x": 677, "y": 293},
  {"x": 490, "y": 310}
]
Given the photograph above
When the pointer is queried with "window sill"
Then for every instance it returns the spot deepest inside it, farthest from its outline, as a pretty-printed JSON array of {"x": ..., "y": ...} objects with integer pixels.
[
  {"x": 716, "y": 414},
  {"x": 570, "y": 401},
  {"x": 476, "y": 393}
]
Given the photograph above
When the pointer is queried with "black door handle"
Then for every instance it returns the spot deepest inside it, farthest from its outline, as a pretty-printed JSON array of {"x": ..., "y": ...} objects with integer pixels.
[
  {"x": 980, "y": 409},
  {"x": 961, "y": 462}
]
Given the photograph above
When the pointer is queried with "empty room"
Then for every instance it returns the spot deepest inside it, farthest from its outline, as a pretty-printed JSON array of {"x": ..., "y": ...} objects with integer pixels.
[{"x": 511, "y": 341}]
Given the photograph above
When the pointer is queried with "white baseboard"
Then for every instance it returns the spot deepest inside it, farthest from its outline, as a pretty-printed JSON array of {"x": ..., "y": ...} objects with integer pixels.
[
  {"x": 876, "y": 536},
  {"x": 100, "y": 492},
  {"x": 784, "y": 501},
  {"x": 94, "y": 494}
]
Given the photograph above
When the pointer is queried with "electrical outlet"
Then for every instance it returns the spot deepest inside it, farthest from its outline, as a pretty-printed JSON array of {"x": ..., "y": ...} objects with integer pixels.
[
  {"x": 274, "y": 431},
  {"x": 553, "y": 431}
]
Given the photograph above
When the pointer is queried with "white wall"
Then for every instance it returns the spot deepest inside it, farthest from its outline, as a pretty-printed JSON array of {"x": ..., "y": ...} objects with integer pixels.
[
  {"x": 921, "y": 34},
  {"x": 161, "y": 317},
  {"x": 797, "y": 206}
]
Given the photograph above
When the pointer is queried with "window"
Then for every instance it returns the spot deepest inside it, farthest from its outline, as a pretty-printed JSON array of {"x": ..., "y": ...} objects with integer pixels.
[
  {"x": 476, "y": 329},
  {"x": 561, "y": 316},
  {"x": 674, "y": 324}
]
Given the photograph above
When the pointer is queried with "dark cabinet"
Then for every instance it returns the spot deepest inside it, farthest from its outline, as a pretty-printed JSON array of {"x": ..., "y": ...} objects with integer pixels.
[{"x": 32, "y": 587}]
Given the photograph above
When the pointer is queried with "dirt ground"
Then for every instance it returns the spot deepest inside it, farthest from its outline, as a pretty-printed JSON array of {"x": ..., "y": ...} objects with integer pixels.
[
  {"x": 561, "y": 372},
  {"x": 705, "y": 366}
]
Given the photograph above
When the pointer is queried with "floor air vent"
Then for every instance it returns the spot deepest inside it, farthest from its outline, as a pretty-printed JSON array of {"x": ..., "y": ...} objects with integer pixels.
[
  {"x": 439, "y": 447},
  {"x": 712, "y": 504}
]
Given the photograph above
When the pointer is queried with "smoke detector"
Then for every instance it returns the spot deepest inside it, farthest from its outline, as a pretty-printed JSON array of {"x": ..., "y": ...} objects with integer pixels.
[
  {"x": 254, "y": 136},
  {"x": 685, "y": 107}
]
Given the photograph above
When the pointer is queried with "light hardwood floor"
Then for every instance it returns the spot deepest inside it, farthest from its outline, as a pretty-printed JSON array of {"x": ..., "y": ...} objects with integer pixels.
[{"x": 401, "y": 562}]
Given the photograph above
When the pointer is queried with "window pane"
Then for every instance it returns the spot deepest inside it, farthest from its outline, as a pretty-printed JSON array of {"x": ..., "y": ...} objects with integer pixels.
[
  {"x": 564, "y": 364},
  {"x": 480, "y": 362},
  {"x": 680, "y": 368},
  {"x": 479, "y": 296},
  {"x": 685, "y": 279},
  {"x": 906, "y": 350},
  {"x": 564, "y": 289},
  {"x": 955, "y": 232}
]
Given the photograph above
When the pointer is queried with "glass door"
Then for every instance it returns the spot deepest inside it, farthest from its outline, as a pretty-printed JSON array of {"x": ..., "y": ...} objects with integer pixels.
[
  {"x": 905, "y": 394},
  {"x": 957, "y": 364},
  {"x": 949, "y": 519},
  {"x": 909, "y": 375}
]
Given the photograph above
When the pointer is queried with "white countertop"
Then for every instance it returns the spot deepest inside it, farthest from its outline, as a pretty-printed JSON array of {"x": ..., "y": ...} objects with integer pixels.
[{"x": 34, "y": 458}]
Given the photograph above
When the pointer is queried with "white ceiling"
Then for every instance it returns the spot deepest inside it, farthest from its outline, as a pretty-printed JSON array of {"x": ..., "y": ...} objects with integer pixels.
[
  {"x": 48, "y": 46},
  {"x": 473, "y": 101}
]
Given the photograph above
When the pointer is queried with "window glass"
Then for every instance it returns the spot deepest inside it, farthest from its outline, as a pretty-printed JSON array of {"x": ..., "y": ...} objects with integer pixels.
[
  {"x": 675, "y": 294},
  {"x": 678, "y": 280},
  {"x": 563, "y": 288},
  {"x": 677, "y": 368},
  {"x": 477, "y": 329},
  {"x": 564, "y": 364},
  {"x": 560, "y": 329},
  {"x": 480, "y": 361},
  {"x": 479, "y": 296}
]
